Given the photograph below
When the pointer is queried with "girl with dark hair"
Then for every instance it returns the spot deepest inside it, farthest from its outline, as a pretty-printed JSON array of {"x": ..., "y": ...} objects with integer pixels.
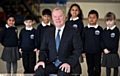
[
  {"x": 9, "y": 39},
  {"x": 75, "y": 17}
]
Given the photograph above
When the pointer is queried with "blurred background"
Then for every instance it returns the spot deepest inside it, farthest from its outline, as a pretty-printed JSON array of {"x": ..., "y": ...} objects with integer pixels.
[{"x": 34, "y": 7}]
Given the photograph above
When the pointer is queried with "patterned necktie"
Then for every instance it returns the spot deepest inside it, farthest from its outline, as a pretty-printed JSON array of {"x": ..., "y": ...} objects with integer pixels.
[{"x": 57, "y": 62}]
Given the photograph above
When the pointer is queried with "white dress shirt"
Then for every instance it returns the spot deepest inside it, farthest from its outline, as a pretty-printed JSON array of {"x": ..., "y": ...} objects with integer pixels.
[{"x": 61, "y": 31}]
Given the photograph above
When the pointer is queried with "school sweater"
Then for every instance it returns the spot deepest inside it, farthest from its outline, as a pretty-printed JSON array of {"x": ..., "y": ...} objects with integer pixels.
[
  {"x": 76, "y": 24},
  {"x": 8, "y": 37},
  {"x": 91, "y": 38},
  {"x": 27, "y": 40},
  {"x": 40, "y": 34},
  {"x": 110, "y": 40}
]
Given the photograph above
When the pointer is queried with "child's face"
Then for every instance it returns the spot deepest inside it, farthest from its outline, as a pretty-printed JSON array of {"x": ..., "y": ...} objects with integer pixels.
[
  {"x": 28, "y": 23},
  {"x": 11, "y": 21},
  {"x": 92, "y": 19},
  {"x": 74, "y": 11},
  {"x": 46, "y": 18},
  {"x": 110, "y": 23}
]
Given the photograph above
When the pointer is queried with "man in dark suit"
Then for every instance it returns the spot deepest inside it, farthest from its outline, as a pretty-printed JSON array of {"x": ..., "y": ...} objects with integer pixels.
[{"x": 60, "y": 49}]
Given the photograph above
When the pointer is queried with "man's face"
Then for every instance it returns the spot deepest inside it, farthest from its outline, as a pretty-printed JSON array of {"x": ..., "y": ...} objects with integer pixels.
[{"x": 58, "y": 18}]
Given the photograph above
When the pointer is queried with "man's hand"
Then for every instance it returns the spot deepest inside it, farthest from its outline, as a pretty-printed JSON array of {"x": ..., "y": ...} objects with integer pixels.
[
  {"x": 39, "y": 64},
  {"x": 65, "y": 67}
]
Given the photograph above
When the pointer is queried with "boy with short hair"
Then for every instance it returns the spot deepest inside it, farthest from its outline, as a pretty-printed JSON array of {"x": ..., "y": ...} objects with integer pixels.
[
  {"x": 46, "y": 17},
  {"x": 92, "y": 44},
  {"x": 27, "y": 45}
]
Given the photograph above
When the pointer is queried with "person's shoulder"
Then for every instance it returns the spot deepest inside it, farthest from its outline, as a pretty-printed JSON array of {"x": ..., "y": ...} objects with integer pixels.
[
  {"x": 105, "y": 29},
  {"x": 15, "y": 27},
  {"x": 3, "y": 29},
  {"x": 40, "y": 25},
  {"x": 86, "y": 27},
  {"x": 52, "y": 25},
  {"x": 100, "y": 28},
  {"x": 78, "y": 20},
  {"x": 50, "y": 29},
  {"x": 67, "y": 21},
  {"x": 116, "y": 28},
  {"x": 34, "y": 30},
  {"x": 23, "y": 29}
]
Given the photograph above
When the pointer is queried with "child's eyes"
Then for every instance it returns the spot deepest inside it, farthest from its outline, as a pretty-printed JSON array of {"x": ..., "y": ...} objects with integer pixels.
[
  {"x": 74, "y": 10},
  {"x": 109, "y": 20},
  {"x": 12, "y": 20}
]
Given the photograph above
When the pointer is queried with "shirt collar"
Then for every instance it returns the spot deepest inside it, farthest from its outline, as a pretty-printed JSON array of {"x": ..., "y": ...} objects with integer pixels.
[
  {"x": 74, "y": 18},
  {"x": 89, "y": 26},
  {"x": 111, "y": 27},
  {"x": 43, "y": 24},
  {"x": 61, "y": 29},
  {"x": 7, "y": 26},
  {"x": 28, "y": 28}
]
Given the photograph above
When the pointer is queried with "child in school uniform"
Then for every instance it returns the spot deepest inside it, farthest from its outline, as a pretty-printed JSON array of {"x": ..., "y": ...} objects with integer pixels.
[
  {"x": 92, "y": 44},
  {"x": 46, "y": 17},
  {"x": 110, "y": 41},
  {"x": 27, "y": 45},
  {"x": 9, "y": 39},
  {"x": 75, "y": 17}
]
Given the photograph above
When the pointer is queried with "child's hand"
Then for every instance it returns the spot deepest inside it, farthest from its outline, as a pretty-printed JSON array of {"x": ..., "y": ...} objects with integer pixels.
[
  {"x": 83, "y": 55},
  {"x": 20, "y": 50},
  {"x": 35, "y": 50},
  {"x": 38, "y": 51},
  {"x": 106, "y": 51}
]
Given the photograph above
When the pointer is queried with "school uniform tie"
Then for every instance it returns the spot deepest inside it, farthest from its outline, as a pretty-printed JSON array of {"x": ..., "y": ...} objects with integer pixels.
[{"x": 57, "y": 40}]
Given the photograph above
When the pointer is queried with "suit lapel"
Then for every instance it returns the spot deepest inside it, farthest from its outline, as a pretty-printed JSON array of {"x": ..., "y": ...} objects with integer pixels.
[
  {"x": 53, "y": 39},
  {"x": 64, "y": 36}
]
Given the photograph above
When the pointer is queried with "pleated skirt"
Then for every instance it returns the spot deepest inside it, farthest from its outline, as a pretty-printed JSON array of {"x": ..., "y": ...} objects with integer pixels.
[
  {"x": 110, "y": 60},
  {"x": 10, "y": 54}
]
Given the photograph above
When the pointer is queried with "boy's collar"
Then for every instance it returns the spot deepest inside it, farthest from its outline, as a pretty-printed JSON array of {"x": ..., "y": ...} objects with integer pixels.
[
  {"x": 95, "y": 26},
  {"x": 43, "y": 24},
  {"x": 29, "y": 28}
]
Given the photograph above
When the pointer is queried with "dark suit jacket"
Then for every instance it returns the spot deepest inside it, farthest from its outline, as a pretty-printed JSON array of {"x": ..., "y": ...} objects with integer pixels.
[{"x": 69, "y": 50}]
